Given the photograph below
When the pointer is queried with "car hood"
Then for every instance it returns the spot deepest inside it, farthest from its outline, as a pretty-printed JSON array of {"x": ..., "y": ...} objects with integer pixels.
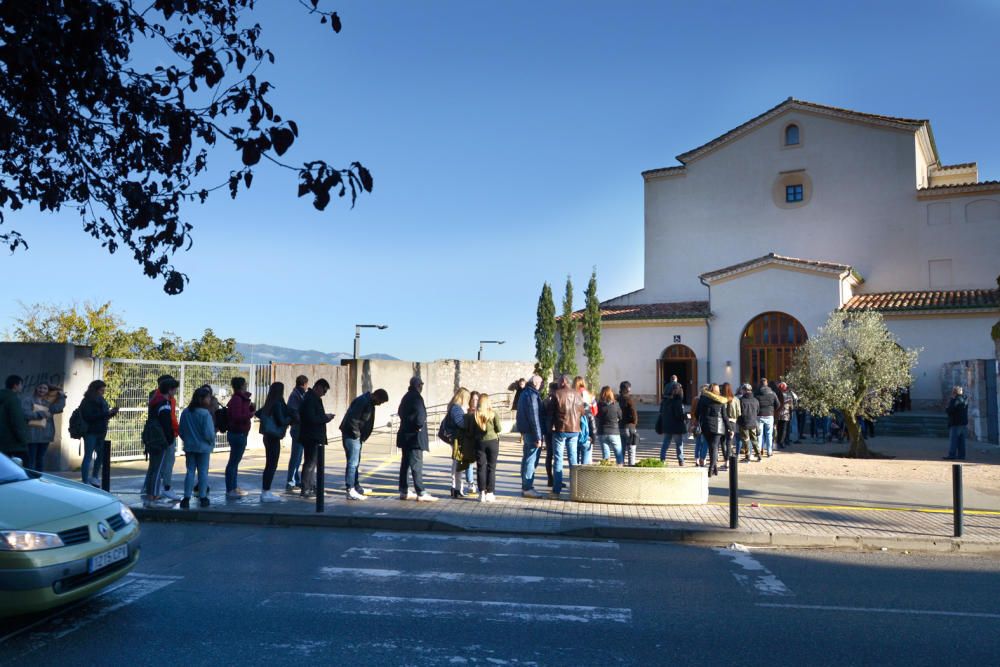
[{"x": 39, "y": 501}]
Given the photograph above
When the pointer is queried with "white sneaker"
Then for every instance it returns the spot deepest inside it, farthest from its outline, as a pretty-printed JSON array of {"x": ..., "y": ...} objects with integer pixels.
[
  {"x": 491, "y": 498},
  {"x": 531, "y": 493},
  {"x": 362, "y": 490},
  {"x": 352, "y": 494},
  {"x": 409, "y": 495},
  {"x": 240, "y": 492},
  {"x": 159, "y": 502},
  {"x": 167, "y": 493},
  {"x": 482, "y": 497},
  {"x": 426, "y": 498},
  {"x": 269, "y": 497}
]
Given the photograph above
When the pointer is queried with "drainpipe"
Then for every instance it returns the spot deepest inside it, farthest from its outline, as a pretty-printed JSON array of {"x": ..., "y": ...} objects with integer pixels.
[{"x": 708, "y": 337}]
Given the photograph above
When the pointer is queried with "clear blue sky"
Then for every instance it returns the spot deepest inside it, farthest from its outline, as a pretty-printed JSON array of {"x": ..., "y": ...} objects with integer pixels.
[{"x": 506, "y": 141}]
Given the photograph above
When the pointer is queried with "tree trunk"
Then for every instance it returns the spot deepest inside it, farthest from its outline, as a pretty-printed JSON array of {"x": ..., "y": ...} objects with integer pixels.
[{"x": 859, "y": 448}]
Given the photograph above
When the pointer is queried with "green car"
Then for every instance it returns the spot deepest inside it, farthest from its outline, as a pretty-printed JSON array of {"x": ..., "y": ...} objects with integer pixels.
[{"x": 59, "y": 540}]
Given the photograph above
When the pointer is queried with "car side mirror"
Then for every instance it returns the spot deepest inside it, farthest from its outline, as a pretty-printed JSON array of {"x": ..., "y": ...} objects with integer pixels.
[{"x": 17, "y": 461}]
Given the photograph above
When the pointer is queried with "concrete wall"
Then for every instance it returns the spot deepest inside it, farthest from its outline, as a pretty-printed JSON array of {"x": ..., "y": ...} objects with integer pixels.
[
  {"x": 971, "y": 375},
  {"x": 339, "y": 396},
  {"x": 57, "y": 364}
]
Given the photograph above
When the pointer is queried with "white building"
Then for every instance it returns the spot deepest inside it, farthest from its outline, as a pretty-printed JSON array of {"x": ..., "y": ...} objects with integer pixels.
[{"x": 760, "y": 233}]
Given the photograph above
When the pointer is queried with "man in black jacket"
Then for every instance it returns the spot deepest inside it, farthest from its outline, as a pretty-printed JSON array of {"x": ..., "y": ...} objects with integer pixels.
[
  {"x": 312, "y": 432},
  {"x": 768, "y": 401},
  {"x": 356, "y": 428},
  {"x": 958, "y": 424},
  {"x": 747, "y": 423},
  {"x": 412, "y": 440}
]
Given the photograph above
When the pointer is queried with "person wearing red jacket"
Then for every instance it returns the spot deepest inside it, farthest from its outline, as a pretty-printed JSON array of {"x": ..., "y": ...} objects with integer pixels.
[
  {"x": 240, "y": 411},
  {"x": 170, "y": 453}
]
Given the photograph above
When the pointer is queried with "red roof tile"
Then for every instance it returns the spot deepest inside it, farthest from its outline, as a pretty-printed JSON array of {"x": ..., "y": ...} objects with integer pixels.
[
  {"x": 652, "y": 311},
  {"x": 930, "y": 300},
  {"x": 779, "y": 259}
]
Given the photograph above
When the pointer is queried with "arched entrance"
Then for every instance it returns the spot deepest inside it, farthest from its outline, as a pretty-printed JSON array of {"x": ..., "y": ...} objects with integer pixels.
[
  {"x": 767, "y": 345},
  {"x": 681, "y": 361}
]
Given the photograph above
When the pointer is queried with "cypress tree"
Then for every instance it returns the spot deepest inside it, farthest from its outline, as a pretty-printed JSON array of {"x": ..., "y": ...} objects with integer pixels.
[
  {"x": 545, "y": 336},
  {"x": 592, "y": 334},
  {"x": 567, "y": 334}
]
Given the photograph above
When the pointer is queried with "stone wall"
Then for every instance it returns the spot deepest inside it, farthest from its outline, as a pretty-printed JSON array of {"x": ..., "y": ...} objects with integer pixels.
[{"x": 339, "y": 396}]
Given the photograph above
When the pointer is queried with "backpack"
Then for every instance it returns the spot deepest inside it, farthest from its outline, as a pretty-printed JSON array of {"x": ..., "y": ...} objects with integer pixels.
[
  {"x": 221, "y": 419},
  {"x": 77, "y": 427},
  {"x": 445, "y": 433},
  {"x": 152, "y": 434}
]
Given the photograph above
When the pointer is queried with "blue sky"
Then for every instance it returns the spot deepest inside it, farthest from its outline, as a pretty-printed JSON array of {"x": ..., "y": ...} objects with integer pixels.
[{"x": 506, "y": 140}]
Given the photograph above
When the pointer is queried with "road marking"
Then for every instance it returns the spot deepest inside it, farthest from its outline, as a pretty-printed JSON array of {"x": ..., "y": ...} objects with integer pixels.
[
  {"x": 755, "y": 577},
  {"x": 372, "y": 553},
  {"x": 881, "y": 610},
  {"x": 368, "y": 574},
  {"x": 378, "y": 605},
  {"x": 546, "y": 543},
  {"x": 132, "y": 588}
]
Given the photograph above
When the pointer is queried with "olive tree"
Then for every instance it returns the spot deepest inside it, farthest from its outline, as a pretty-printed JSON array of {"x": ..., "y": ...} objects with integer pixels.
[{"x": 854, "y": 365}]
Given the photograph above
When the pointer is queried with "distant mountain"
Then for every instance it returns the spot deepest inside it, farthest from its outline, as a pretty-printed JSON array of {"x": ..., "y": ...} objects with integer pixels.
[{"x": 265, "y": 354}]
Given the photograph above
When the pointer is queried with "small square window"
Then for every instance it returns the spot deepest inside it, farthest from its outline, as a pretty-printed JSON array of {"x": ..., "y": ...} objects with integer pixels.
[{"x": 793, "y": 193}]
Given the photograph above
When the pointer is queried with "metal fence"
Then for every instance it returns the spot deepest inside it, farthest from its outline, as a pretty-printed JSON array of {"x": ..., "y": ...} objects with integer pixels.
[{"x": 131, "y": 381}]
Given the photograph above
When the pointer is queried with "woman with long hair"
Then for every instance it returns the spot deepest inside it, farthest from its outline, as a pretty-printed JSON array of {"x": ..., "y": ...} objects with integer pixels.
[
  {"x": 582, "y": 451},
  {"x": 197, "y": 428},
  {"x": 454, "y": 420},
  {"x": 40, "y": 407},
  {"x": 485, "y": 427},
  {"x": 629, "y": 424},
  {"x": 609, "y": 416},
  {"x": 711, "y": 417},
  {"x": 732, "y": 414},
  {"x": 96, "y": 413},
  {"x": 275, "y": 418},
  {"x": 471, "y": 473}
]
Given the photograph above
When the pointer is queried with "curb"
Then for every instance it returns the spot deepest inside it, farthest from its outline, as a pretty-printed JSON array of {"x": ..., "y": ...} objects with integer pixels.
[{"x": 701, "y": 536}]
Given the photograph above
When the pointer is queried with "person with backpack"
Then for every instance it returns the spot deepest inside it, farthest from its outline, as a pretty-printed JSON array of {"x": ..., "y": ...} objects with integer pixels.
[
  {"x": 294, "y": 481},
  {"x": 95, "y": 414},
  {"x": 197, "y": 431},
  {"x": 485, "y": 427},
  {"x": 451, "y": 432},
  {"x": 313, "y": 419},
  {"x": 40, "y": 408},
  {"x": 629, "y": 425},
  {"x": 170, "y": 453},
  {"x": 274, "y": 420},
  {"x": 157, "y": 435},
  {"x": 355, "y": 429},
  {"x": 13, "y": 425},
  {"x": 239, "y": 415}
]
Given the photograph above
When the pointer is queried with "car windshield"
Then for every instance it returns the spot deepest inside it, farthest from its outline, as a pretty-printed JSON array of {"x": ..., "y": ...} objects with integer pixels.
[{"x": 10, "y": 471}]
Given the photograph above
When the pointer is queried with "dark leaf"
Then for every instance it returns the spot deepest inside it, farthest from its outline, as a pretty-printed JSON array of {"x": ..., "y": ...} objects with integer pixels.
[
  {"x": 281, "y": 139},
  {"x": 251, "y": 154}
]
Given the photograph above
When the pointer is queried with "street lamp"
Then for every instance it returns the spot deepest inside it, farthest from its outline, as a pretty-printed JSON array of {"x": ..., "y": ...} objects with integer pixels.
[
  {"x": 484, "y": 342},
  {"x": 357, "y": 335}
]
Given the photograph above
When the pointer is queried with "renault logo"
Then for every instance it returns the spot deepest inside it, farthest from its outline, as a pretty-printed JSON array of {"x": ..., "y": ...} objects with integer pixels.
[{"x": 104, "y": 529}]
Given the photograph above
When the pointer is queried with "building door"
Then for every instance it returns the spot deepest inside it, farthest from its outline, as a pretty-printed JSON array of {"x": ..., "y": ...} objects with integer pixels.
[
  {"x": 767, "y": 345},
  {"x": 679, "y": 360}
]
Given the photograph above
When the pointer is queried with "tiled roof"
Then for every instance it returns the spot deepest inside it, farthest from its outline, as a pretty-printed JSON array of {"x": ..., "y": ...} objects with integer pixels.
[
  {"x": 985, "y": 185},
  {"x": 960, "y": 165},
  {"x": 777, "y": 259},
  {"x": 936, "y": 300},
  {"x": 676, "y": 310}
]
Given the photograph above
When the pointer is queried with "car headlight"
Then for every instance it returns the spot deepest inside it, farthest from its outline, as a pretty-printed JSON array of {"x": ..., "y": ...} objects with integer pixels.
[
  {"x": 126, "y": 514},
  {"x": 28, "y": 540}
]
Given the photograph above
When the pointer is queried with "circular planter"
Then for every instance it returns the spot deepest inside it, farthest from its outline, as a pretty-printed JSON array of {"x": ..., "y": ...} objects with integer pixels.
[{"x": 639, "y": 486}]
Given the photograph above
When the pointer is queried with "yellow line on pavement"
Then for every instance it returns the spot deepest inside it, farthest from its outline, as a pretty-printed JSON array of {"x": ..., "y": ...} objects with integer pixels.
[{"x": 926, "y": 510}]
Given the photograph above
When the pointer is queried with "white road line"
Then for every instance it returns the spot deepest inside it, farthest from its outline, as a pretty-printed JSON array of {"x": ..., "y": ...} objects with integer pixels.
[
  {"x": 378, "y": 605},
  {"x": 881, "y": 610},
  {"x": 545, "y": 543},
  {"x": 373, "y": 553},
  {"x": 755, "y": 577},
  {"x": 131, "y": 588},
  {"x": 368, "y": 574}
]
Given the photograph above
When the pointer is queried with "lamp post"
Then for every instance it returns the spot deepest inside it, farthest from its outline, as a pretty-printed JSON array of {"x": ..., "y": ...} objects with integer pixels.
[
  {"x": 485, "y": 342},
  {"x": 357, "y": 336}
]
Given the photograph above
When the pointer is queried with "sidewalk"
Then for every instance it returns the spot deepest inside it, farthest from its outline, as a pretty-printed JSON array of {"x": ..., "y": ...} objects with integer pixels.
[{"x": 789, "y": 524}]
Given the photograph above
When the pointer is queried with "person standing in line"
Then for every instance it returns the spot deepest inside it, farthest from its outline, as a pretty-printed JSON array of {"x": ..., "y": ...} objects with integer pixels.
[
  {"x": 609, "y": 417},
  {"x": 469, "y": 451},
  {"x": 355, "y": 429},
  {"x": 294, "y": 481},
  {"x": 170, "y": 452},
  {"x": 413, "y": 441},
  {"x": 96, "y": 413},
  {"x": 530, "y": 425},
  {"x": 673, "y": 423},
  {"x": 567, "y": 411},
  {"x": 14, "y": 433},
  {"x": 40, "y": 412},
  {"x": 274, "y": 420},
  {"x": 485, "y": 427},
  {"x": 732, "y": 416},
  {"x": 700, "y": 443},
  {"x": 312, "y": 422},
  {"x": 160, "y": 413},
  {"x": 783, "y": 415},
  {"x": 768, "y": 402},
  {"x": 711, "y": 417},
  {"x": 548, "y": 412},
  {"x": 583, "y": 450},
  {"x": 668, "y": 388},
  {"x": 747, "y": 423},
  {"x": 197, "y": 430},
  {"x": 518, "y": 390},
  {"x": 958, "y": 424},
  {"x": 629, "y": 426},
  {"x": 240, "y": 410},
  {"x": 453, "y": 427}
]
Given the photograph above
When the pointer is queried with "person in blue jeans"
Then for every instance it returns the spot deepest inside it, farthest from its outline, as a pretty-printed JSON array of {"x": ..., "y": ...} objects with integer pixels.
[
  {"x": 609, "y": 416},
  {"x": 567, "y": 410},
  {"x": 96, "y": 413},
  {"x": 529, "y": 425},
  {"x": 294, "y": 481},
  {"x": 356, "y": 428},
  {"x": 240, "y": 410},
  {"x": 768, "y": 402},
  {"x": 197, "y": 431},
  {"x": 958, "y": 424}
]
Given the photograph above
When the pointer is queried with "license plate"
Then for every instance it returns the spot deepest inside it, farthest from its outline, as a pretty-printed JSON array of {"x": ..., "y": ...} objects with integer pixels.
[{"x": 101, "y": 561}]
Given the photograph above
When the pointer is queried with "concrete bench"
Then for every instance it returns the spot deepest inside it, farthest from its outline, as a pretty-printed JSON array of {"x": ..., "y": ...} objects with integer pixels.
[{"x": 639, "y": 486}]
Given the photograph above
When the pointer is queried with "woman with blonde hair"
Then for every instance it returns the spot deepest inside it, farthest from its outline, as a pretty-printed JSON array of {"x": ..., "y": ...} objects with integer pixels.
[
  {"x": 609, "y": 416},
  {"x": 451, "y": 432},
  {"x": 582, "y": 452},
  {"x": 484, "y": 426}
]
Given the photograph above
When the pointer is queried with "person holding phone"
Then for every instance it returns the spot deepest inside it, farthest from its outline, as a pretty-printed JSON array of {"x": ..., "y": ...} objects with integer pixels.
[
  {"x": 96, "y": 413},
  {"x": 312, "y": 432}
]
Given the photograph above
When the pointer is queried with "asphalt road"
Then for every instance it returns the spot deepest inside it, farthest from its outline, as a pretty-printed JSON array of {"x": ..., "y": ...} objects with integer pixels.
[{"x": 232, "y": 595}]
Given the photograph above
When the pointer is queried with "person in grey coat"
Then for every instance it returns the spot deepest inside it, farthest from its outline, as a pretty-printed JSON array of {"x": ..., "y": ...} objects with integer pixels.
[
  {"x": 413, "y": 441},
  {"x": 40, "y": 413}
]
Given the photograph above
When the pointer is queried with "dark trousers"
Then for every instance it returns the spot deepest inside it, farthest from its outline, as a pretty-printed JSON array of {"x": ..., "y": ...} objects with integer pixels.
[
  {"x": 309, "y": 467},
  {"x": 486, "y": 462},
  {"x": 781, "y": 438},
  {"x": 272, "y": 451},
  {"x": 713, "y": 440},
  {"x": 154, "y": 483},
  {"x": 800, "y": 415},
  {"x": 412, "y": 462},
  {"x": 36, "y": 456},
  {"x": 548, "y": 456},
  {"x": 727, "y": 445}
]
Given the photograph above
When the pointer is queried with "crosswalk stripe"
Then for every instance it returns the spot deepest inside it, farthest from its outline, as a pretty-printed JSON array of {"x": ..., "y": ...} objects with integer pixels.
[
  {"x": 368, "y": 574},
  {"x": 374, "y": 553},
  {"x": 544, "y": 543}
]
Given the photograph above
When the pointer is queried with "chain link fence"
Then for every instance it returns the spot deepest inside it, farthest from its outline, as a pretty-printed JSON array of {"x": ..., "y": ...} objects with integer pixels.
[{"x": 132, "y": 381}]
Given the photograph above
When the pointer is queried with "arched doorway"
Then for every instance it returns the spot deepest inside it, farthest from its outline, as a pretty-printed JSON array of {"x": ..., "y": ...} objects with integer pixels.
[
  {"x": 767, "y": 345},
  {"x": 681, "y": 361}
]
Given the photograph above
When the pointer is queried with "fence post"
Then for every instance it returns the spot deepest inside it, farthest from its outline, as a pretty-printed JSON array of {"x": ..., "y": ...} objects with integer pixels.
[
  {"x": 106, "y": 469},
  {"x": 734, "y": 493},
  {"x": 956, "y": 496},
  {"x": 320, "y": 481}
]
